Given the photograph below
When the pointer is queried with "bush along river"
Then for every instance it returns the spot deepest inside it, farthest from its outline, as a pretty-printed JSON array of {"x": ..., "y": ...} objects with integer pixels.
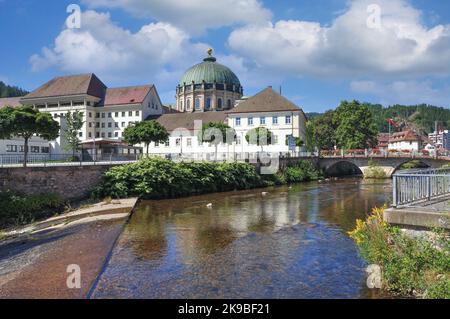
[{"x": 280, "y": 242}]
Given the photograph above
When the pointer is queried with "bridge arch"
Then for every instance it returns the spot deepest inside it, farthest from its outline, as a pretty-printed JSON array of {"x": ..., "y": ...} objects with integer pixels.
[
  {"x": 423, "y": 163},
  {"x": 342, "y": 168}
]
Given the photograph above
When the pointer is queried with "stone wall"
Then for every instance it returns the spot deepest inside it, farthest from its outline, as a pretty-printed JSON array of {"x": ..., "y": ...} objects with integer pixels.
[{"x": 71, "y": 183}]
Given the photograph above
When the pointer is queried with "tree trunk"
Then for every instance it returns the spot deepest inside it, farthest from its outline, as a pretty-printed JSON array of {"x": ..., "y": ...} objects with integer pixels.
[
  {"x": 148, "y": 144},
  {"x": 25, "y": 152},
  {"x": 216, "y": 152}
]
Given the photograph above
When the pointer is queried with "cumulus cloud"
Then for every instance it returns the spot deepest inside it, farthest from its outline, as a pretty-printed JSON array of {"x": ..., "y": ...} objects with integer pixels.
[
  {"x": 193, "y": 15},
  {"x": 400, "y": 46},
  {"x": 157, "y": 49},
  {"x": 404, "y": 92}
]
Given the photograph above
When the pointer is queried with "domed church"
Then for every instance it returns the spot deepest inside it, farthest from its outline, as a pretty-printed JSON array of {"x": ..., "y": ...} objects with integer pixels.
[{"x": 208, "y": 86}]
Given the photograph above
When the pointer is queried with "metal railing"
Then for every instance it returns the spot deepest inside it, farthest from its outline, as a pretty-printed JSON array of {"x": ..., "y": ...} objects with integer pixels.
[
  {"x": 44, "y": 160},
  {"x": 418, "y": 186}
]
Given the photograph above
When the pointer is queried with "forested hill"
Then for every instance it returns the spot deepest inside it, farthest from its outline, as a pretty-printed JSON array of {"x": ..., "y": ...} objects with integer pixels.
[
  {"x": 420, "y": 117},
  {"x": 11, "y": 91}
]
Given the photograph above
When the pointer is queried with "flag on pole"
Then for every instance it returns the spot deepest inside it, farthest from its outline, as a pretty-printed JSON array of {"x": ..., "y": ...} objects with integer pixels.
[{"x": 393, "y": 123}]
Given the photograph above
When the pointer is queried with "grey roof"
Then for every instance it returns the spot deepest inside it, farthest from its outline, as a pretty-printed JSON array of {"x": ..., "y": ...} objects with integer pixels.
[
  {"x": 173, "y": 121},
  {"x": 265, "y": 101}
]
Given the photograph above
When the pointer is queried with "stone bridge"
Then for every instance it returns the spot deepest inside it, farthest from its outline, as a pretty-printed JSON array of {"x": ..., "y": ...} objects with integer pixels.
[{"x": 389, "y": 164}]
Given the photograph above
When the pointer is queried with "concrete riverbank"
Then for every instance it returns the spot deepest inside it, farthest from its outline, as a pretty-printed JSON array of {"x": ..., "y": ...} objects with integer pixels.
[{"x": 34, "y": 260}]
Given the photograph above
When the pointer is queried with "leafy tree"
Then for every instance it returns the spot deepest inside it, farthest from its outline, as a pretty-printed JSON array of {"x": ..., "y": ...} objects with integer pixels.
[
  {"x": 11, "y": 91},
  {"x": 145, "y": 132},
  {"x": 24, "y": 122},
  {"x": 355, "y": 126},
  {"x": 260, "y": 136},
  {"x": 324, "y": 131},
  {"x": 310, "y": 139},
  {"x": 74, "y": 122},
  {"x": 216, "y": 133}
]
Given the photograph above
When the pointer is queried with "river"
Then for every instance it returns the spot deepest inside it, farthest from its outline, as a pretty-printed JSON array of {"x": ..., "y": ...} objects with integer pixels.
[{"x": 289, "y": 243}]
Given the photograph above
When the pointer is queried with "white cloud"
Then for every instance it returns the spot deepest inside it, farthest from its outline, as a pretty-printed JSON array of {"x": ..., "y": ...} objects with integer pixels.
[
  {"x": 158, "y": 51},
  {"x": 402, "y": 46},
  {"x": 193, "y": 15},
  {"x": 404, "y": 92}
]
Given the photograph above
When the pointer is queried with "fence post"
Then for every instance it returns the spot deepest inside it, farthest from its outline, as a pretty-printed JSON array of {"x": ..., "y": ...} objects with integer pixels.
[
  {"x": 394, "y": 191},
  {"x": 429, "y": 188}
]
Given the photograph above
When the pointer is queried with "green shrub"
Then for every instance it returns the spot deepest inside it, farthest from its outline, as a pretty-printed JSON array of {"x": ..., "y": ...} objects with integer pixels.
[
  {"x": 410, "y": 266},
  {"x": 301, "y": 172},
  {"x": 160, "y": 178},
  {"x": 19, "y": 209},
  {"x": 375, "y": 172}
]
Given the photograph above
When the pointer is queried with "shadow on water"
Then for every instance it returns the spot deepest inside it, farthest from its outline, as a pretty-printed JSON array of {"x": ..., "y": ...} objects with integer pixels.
[{"x": 291, "y": 243}]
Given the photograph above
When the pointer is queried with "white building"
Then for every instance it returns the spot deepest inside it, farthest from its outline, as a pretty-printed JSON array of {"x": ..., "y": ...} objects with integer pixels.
[
  {"x": 106, "y": 111},
  {"x": 440, "y": 139},
  {"x": 405, "y": 141}
]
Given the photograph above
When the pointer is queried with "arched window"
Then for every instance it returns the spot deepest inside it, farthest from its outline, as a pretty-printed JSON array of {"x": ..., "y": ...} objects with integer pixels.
[
  {"x": 208, "y": 104},
  {"x": 197, "y": 104},
  {"x": 188, "y": 104},
  {"x": 229, "y": 104},
  {"x": 181, "y": 105},
  {"x": 219, "y": 103}
]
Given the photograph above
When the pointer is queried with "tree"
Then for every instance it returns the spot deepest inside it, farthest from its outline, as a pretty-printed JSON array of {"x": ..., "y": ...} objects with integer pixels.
[
  {"x": 74, "y": 122},
  {"x": 216, "y": 133},
  {"x": 145, "y": 132},
  {"x": 324, "y": 131},
  {"x": 24, "y": 122},
  {"x": 260, "y": 136},
  {"x": 310, "y": 140},
  {"x": 356, "y": 128}
]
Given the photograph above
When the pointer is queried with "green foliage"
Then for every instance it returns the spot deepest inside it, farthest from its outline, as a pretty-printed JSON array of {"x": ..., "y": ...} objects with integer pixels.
[
  {"x": 145, "y": 132},
  {"x": 24, "y": 122},
  {"x": 216, "y": 133},
  {"x": 323, "y": 131},
  {"x": 375, "y": 172},
  {"x": 160, "y": 178},
  {"x": 18, "y": 209},
  {"x": 410, "y": 266},
  {"x": 413, "y": 164},
  {"x": 11, "y": 91},
  {"x": 355, "y": 126},
  {"x": 301, "y": 172},
  {"x": 260, "y": 136},
  {"x": 74, "y": 124}
]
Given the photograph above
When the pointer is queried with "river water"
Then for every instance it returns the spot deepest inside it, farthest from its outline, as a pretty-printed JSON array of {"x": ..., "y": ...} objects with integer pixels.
[{"x": 289, "y": 243}]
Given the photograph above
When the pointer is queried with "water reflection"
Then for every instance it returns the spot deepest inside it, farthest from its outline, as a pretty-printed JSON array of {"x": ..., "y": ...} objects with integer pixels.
[{"x": 290, "y": 243}]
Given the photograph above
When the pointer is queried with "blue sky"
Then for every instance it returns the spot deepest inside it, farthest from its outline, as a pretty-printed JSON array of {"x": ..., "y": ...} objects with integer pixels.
[{"x": 319, "y": 51}]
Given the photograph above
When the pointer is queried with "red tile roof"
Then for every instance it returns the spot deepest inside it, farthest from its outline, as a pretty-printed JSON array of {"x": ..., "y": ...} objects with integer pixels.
[
  {"x": 71, "y": 85},
  {"x": 408, "y": 135},
  {"x": 127, "y": 95},
  {"x": 10, "y": 101}
]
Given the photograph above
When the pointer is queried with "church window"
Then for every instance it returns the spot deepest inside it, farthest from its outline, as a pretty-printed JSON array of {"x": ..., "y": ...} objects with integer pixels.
[
  {"x": 208, "y": 103},
  {"x": 219, "y": 103},
  {"x": 188, "y": 104},
  {"x": 229, "y": 103},
  {"x": 197, "y": 104}
]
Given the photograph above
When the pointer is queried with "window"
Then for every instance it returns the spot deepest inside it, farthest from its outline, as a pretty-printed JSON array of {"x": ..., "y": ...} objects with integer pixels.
[
  {"x": 21, "y": 148},
  {"x": 238, "y": 121},
  {"x": 109, "y": 134},
  {"x": 109, "y": 114},
  {"x": 45, "y": 149},
  {"x": 90, "y": 114},
  {"x": 109, "y": 124},
  {"x": 11, "y": 148},
  {"x": 97, "y": 135},
  {"x": 116, "y": 114},
  {"x": 90, "y": 124},
  {"x": 189, "y": 142},
  {"x": 103, "y": 115},
  {"x": 116, "y": 134},
  {"x": 123, "y": 124},
  {"x": 167, "y": 144},
  {"x": 188, "y": 104},
  {"x": 97, "y": 115},
  {"x": 275, "y": 120},
  {"x": 229, "y": 104},
  {"x": 219, "y": 103},
  {"x": 34, "y": 149},
  {"x": 80, "y": 134},
  {"x": 197, "y": 104},
  {"x": 250, "y": 121},
  {"x": 288, "y": 119},
  {"x": 156, "y": 144},
  {"x": 262, "y": 120},
  {"x": 137, "y": 113},
  {"x": 116, "y": 124},
  {"x": 103, "y": 125},
  {"x": 103, "y": 135},
  {"x": 123, "y": 114},
  {"x": 90, "y": 134},
  {"x": 130, "y": 113},
  {"x": 181, "y": 105},
  {"x": 208, "y": 104},
  {"x": 178, "y": 142},
  {"x": 275, "y": 139},
  {"x": 97, "y": 124}
]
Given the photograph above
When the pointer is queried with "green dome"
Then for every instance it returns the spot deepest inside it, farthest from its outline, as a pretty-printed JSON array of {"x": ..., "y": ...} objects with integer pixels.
[{"x": 209, "y": 71}]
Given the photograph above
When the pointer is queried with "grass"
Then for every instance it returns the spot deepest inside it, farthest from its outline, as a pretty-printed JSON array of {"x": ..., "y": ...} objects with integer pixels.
[{"x": 410, "y": 266}]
